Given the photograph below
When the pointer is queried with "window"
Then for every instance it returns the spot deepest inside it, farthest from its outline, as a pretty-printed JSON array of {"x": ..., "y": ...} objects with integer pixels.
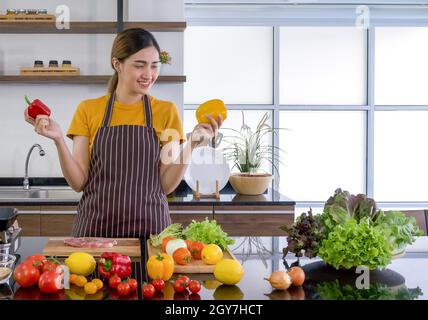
[
  {"x": 230, "y": 63},
  {"x": 401, "y": 66},
  {"x": 324, "y": 151},
  {"x": 323, "y": 66}
]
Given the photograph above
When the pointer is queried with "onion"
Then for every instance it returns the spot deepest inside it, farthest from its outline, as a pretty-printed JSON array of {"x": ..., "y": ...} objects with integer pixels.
[
  {"x": 279, "y": 280},
  {"x": 174, "y": 244}
]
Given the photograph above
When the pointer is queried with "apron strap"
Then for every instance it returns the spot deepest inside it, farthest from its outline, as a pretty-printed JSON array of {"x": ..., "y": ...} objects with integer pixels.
[
  {"x": 109, "y": 110},
  {"x": 147, "y": 111}
]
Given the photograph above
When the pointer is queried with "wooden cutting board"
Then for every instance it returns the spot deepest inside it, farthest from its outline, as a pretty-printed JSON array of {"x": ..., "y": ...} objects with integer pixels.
[
  {"x": 127, "y": 246},
  {"x": 195, "y": 266}
]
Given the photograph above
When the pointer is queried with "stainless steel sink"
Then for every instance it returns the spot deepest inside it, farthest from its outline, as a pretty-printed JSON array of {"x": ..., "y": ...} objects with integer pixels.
[{"x": 43, "y": 193}]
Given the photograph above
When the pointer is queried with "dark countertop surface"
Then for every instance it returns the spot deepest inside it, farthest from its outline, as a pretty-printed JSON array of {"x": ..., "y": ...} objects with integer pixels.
[
  {"x": 404, "y": 278},
  {"x": 54, "y": 191}
]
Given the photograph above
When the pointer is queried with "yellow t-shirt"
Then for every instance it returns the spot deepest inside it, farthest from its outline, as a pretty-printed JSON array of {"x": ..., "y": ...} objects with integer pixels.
[{"x": 89, "y": 116}]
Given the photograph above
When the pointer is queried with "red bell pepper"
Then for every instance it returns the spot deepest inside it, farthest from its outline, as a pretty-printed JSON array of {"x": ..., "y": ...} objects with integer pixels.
[
  {"x": 37, "y": 107},
  {"x": 112, "y": 263}
]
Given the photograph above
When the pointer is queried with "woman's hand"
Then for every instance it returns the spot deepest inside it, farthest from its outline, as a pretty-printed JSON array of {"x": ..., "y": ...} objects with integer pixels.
[
  {"x": 205, "y": 132},
  {"x": 45, "y": 126}
]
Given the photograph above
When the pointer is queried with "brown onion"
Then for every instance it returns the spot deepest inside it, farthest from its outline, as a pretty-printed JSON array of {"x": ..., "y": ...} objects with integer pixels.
[{"x": 280, "y": 280}]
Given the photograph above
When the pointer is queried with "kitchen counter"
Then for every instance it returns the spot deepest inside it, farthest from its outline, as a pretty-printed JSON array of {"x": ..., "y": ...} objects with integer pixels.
[
  {"x": 404, "y": 278},
  {"x": 55, "y": 192}
]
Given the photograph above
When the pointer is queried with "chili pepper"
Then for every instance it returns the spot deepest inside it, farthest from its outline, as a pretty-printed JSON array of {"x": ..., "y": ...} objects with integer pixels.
[
  {"x": 112, "y": 263},
  {"x": 37, "y": 107}
]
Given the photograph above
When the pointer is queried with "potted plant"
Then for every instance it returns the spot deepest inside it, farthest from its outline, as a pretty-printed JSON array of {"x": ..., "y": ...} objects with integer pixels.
[{"x": 248, "y": 151}]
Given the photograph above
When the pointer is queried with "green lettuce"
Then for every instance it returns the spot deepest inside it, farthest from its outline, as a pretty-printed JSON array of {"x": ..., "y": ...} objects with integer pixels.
[
  {"x": 207, "y": 232},
  {"x": 356, "y": 244},
  {"x": 401, "y": 229}
]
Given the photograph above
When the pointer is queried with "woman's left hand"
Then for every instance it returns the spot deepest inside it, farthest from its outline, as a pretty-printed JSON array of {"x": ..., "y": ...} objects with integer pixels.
[{"x": 205, "y": 132}]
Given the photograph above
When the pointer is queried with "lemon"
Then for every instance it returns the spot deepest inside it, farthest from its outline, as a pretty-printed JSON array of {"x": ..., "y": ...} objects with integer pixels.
[
  {"x": 228, "y": 271},
  {"x": 211, "y": 254},
  {"x": 81, "y": 263}
]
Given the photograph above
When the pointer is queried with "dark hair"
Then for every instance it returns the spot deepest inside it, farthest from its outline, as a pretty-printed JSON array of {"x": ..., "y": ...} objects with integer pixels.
[{"x": 127, "y": 43}]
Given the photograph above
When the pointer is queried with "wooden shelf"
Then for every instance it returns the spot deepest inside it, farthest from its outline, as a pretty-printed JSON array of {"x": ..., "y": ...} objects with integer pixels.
[
  {"x": 89, "y": 79},
  {"x": 98, "y": 27}
]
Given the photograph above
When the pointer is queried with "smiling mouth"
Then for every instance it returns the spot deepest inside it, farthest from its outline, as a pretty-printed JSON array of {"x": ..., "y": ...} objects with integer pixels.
[{"x": 144, "y": 83}]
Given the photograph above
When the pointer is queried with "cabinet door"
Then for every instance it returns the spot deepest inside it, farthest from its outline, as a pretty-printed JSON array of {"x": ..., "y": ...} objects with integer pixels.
[
  {"x": 57, "y": 221},
  {"x": 185, "y": 214},
  {"x": 254, "y": 220}
]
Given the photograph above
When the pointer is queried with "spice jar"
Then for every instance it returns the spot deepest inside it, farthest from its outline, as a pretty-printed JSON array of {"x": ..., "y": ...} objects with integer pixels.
[
  {"x": 38, "y": 64},
  {"x": 53, "y": 64},
  {"x": 42, "y": 11},
  {"x": 31, "y": 11},
  {"x": 66, "y": 64},
  {"x": 21, "y": 11},
  {"x": 11, "y": 11}
]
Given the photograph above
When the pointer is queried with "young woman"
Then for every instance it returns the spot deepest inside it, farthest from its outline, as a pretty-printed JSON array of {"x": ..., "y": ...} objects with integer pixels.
[{"x": 126, "y": 146}]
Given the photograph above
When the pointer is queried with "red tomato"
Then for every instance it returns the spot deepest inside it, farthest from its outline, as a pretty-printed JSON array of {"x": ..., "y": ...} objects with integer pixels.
[
  {"x": 158, "y": 284},
  {"x": 133, "y": 284},
  {"x": 50, "y": 282},
  {"x": 182, "y": 256},
  {"x": 179, "y": 285},
  {"x": 164, "y": 242},
  {"x": 194, "y": 286},
  {"x": 188, "y": 244},
  {"x": 52, "y": 266},
  {"x": 185, "y": 279},
  {"x": 114, "y": 281},
  {"x": 123, "y": 289},
  {"x": 196, "y": 249},
  {"x": 37, "y": 260},
  {"x": 148, "y": 291},
  {"x": 26, "y": 274}
]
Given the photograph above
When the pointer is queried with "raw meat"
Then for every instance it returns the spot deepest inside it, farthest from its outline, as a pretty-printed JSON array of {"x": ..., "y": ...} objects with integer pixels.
[{"x": 87, "y": 242}]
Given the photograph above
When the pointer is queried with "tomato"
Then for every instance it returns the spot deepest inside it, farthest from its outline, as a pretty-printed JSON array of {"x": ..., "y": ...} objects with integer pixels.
[
  {"x": 37, "y": 260},
  {"x": 158, "y": 284},
  {"x": 51, "y": 266},
  {"x": 164, "y": 242},
  {"x": 26, "y": 274},
  {"x": 114, "y": 282},
  {"x": 196, "y": 249},
  {"x": 179, "y": 285},
  {"x": 188, "y": 243},
  {"x": 123, "y": 289},
  {"x": 194, "y": 286},
  {"x": 182, "y": 256},
  {"x": 297, "y": 276},
  {"x": 133, "y": 284},
  {"x": 185, "y": 279},
  {"x": 50, "y": 282},
  {"x": 194, "y": 296},
  {"x": 148, "y": 291}
]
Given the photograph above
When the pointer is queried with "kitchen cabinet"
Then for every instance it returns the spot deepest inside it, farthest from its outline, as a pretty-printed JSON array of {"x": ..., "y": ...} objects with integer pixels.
[{"x": 254, "y": 220}]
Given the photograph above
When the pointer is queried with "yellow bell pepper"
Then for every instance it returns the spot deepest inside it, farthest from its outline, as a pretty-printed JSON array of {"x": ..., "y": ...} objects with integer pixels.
[
  {"x": 213, "y": 108},
  {"x": 160, "y": 266}
]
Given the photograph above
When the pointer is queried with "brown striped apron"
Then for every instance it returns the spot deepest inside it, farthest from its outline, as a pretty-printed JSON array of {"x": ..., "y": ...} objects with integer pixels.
[{"x": 123, "y": 197}]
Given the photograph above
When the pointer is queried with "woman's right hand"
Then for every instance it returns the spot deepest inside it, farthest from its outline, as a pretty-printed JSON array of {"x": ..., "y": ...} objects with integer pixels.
[{"x": 44, "y": 126}]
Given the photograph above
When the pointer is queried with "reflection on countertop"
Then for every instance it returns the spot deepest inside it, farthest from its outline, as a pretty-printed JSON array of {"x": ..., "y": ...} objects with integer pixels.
[{"x": 403, "y": 279}]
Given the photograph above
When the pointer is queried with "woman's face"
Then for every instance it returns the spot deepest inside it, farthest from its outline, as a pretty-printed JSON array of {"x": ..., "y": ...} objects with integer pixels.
[{"x": 139, "y": 72}]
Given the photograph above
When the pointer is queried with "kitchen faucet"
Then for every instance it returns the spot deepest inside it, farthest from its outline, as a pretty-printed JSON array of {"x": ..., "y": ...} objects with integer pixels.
[{"x": 41, "y": 153}]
